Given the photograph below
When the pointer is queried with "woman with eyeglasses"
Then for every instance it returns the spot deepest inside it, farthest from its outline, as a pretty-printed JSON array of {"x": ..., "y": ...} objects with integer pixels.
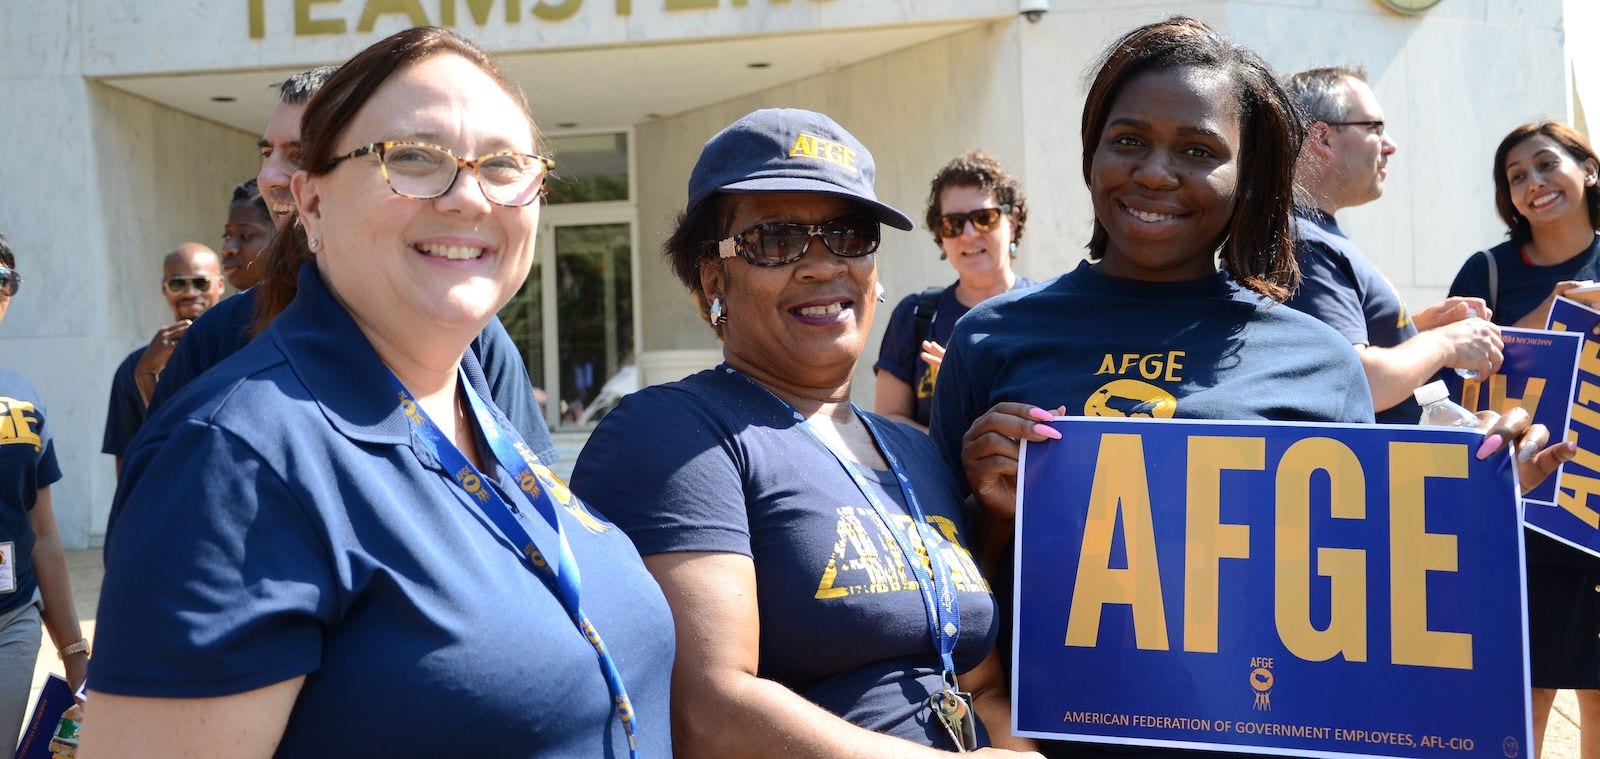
[
  {"x": 333, "y": 544},
  {"x": 1547, "y": 190},
  {"x": 1189, "y": 146},
  {"x": 34, "y": 585},
  {"x": 784, "y": 524},
  {"x": 976, "y": 212}
]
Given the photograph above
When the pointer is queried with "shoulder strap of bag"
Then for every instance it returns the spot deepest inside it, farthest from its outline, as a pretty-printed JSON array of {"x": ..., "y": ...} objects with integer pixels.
[
  {"x": 927, "y": 306},
  {"x": 1494, "y": 277}
]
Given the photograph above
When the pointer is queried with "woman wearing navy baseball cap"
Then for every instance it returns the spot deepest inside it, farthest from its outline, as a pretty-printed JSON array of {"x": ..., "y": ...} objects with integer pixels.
[{"x": 814, "y": 555}]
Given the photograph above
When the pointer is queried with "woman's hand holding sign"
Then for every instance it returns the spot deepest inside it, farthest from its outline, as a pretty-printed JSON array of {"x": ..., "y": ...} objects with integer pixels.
[{"x": 1536, "y": 459}]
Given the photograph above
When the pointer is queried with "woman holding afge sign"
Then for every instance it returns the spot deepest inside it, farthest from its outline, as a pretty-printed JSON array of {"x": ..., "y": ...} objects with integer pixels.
[
  {"x": 1189, "y": 146},
  {"x": 1545, "y": 177}
]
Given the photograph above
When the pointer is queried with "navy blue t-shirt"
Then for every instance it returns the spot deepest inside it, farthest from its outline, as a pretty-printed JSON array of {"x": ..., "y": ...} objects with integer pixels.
[
  {"x": 900, "y": 353},
  {"x": 125, "y": 410},
  {"x": 1340, "y": 286},
  {"x": 1207, "y": 349},
  {"x": 1521, "y": 286},
  {"x": 27, "y": 463},
  {"x": 225, "y": 328},
  {"x": 714, "y": 463},
  {"x": 1110, "y": 347},
  {"x": 281, "y": 519}
]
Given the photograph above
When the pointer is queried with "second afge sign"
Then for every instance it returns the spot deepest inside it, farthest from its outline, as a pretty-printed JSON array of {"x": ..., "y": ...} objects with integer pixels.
[{"x": 1289, "y": 589}]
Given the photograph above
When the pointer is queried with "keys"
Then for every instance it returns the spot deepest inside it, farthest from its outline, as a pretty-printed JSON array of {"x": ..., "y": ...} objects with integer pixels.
[{"x": 953, "y": 709}]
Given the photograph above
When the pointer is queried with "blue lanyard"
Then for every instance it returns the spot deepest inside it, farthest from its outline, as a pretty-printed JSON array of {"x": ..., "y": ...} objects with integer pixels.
[
  {"x": 938, "y": 591},
  {"x": 537, "y": 486}
]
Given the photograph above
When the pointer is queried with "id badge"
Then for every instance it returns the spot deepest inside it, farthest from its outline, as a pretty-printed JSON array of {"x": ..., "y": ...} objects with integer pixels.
[
  {"x": 953, "y": 710},
  {"x": 8, "y": 567}
]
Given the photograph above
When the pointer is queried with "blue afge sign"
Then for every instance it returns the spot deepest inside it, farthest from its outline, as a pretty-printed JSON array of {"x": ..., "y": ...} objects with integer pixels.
[{"x": 1283, "y": 589}]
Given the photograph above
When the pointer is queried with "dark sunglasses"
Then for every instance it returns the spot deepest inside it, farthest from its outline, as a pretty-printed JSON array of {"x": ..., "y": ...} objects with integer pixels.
[
  {"x": 10, "y": 281},
  {"x": 780, "y": 242},
  {"x": 177, "y": 285},
  {"x": 983, "y": 220}
]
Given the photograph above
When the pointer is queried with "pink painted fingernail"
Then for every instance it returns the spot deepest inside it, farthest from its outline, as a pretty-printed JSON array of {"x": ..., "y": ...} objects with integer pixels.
[
  {"x": 1040, "y": 414},
  {"x": 1047, "y": 431},
  {"x": 1490, "y": 445}
]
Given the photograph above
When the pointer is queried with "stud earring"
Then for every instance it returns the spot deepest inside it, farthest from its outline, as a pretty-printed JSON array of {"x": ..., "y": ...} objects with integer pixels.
[
  {"x": 313, "y": 243},
  {"x": 718, "y": 316},
  {"x": 879, "y": 292},
  {"x": 943, "y": 255},
  {"x": 1013, "y": 250}
]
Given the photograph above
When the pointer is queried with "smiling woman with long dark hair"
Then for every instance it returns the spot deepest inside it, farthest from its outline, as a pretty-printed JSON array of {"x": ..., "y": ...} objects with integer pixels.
[{"x": 1547, "y": 190}]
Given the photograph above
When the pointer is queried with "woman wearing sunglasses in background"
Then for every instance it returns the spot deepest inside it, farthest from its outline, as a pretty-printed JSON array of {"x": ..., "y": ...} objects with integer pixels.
[
  {"x": 783, "y": 523},
  {"x": 333, "y": 544},
  {"x": 33, "y": 564},
  {"x": 191, "y": 281},
  {"x": 976, "y": 212}
]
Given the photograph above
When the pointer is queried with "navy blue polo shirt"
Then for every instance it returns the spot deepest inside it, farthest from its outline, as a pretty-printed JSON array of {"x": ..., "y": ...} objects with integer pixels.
[
  {"x": 124, "y": 409},
  {"x": 280, "y": 519}
]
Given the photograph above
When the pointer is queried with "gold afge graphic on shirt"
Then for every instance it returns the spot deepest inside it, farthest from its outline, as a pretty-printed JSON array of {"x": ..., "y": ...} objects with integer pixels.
[
  {"x": 1132, "y": 394},
  {"x": 866, "y": 558},
  {"x": 925, "y": 387},
  {"x": 19, "y": 423}
]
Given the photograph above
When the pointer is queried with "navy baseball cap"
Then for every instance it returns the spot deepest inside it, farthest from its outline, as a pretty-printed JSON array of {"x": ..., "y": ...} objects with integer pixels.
[{"x": 789, "y": 150}]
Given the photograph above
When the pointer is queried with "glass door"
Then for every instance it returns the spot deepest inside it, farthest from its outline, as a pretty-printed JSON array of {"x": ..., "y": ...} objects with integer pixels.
[
  {"x": 574, "y": 319},
  {"x": 593, "y": 304}
]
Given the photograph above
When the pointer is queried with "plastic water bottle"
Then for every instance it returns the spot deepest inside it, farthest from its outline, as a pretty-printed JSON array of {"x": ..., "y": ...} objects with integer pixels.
[
  {"x": 1468, "y": 374},
  {"x": 1438, "y": 410}
]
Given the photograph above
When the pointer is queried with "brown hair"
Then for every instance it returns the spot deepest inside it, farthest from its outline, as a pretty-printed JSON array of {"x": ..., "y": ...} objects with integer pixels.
[
  {"x": 686, "y": 250},
  {"x": 329, "y": 113},
  {"x": 1570, "y": 140},
  {"x": 1258, "y": 244},
  {"x": 980, "y": 169}
]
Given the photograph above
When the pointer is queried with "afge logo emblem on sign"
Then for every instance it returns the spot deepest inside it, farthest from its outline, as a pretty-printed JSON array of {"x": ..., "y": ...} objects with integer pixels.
[{"x": 1261, "y": 681}]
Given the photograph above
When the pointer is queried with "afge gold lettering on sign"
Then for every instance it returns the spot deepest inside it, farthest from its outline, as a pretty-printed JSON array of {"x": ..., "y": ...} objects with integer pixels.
[{"x": 1120, "y": 501}]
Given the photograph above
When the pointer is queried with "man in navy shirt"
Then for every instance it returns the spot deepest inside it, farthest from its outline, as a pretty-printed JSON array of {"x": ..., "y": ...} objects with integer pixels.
[
  {"x": 191, "y": 280},
  {"x": 1343, "y": 163}
]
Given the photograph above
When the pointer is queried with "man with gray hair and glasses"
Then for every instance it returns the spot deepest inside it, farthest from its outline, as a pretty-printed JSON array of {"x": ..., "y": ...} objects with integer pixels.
[{"x": 1343, "y": 163}]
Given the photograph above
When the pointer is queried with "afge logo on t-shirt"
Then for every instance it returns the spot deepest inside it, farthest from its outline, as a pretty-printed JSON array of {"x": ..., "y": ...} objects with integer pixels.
[
  {"x": 1132, "y": 394},
  {"x": 866, "y": 558},
  {"x": 19, "y": 422}
]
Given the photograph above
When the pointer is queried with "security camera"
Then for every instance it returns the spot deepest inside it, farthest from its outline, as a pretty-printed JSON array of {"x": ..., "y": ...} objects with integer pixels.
[{"x": 1033, "y": 10}]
